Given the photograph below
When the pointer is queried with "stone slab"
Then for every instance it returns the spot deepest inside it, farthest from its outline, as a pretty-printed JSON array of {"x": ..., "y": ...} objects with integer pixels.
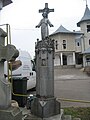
[
  {"x": 11, "y": 113},
  {"x": 5, "y": 92},
  {"x": 55, "y": 117}
]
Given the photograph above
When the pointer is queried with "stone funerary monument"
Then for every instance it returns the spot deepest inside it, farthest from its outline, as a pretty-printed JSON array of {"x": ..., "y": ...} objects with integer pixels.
[{"x": 45, "y": 104}]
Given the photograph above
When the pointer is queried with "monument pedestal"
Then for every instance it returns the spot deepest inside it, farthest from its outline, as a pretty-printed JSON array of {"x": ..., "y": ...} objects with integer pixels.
[
  {"x": 45, "y": 108},
  {"x": 11, "y": 113},
  {"x": 55, "y": 117},
  {"x": 45, "y": 104}
]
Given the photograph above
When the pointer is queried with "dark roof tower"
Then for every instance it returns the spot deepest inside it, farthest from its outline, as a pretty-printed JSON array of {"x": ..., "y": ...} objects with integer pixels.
[
  {"x": 86, "y": 16},
  {"x": 4, "y": 3}
]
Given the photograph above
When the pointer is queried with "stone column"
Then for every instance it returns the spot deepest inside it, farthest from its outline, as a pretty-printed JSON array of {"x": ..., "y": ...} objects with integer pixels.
[
  {"x": 45, "y": 104},
  {"x": 61, "y": 58},
  {"x": 44, "y": 69},
  {"x": 74, "y": 58},
  {"x": 84, "y": 61}
]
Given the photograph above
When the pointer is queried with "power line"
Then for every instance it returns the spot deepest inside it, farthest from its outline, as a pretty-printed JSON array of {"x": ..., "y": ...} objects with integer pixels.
[
  {"x": 27, "y": 29},
  {"x": 23, "y": 29}
]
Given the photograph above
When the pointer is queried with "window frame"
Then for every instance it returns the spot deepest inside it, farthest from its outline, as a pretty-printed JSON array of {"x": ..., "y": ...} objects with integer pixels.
[
  {"x": 64, "y": 44},
  {"x": 88, "y": 28}
]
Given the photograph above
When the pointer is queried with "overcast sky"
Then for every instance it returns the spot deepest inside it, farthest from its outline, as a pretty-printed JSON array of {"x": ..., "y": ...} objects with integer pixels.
[{"x": 23, "y": 16}]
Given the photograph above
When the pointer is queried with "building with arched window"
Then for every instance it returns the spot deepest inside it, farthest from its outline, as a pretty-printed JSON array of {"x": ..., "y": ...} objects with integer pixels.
[{"x": 73, "y": 48}]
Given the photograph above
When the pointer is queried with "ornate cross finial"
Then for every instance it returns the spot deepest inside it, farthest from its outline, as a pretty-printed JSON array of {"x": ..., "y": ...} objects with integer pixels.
[
  {"x": 46, "y": 9},
  {"x": 45, "y": 21}
]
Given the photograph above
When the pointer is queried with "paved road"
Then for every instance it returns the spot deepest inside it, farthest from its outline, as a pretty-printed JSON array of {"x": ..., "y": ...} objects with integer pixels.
[{"x": 72, "y": 84}]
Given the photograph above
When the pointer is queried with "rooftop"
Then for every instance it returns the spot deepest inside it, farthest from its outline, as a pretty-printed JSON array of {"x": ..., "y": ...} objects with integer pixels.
[
  {"x": 85, "y": 17},
  {"x": 6, "y": 2},
  {"x": 61, "y": 29}
]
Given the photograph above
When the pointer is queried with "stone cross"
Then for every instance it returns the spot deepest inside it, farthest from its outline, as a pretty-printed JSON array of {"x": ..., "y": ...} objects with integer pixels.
[
  {"x": 46, "y": 9},
  {"x": 45, "y": 21}
]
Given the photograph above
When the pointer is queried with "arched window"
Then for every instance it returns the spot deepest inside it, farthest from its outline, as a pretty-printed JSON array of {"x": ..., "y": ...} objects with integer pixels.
[
  {"x": 56, "y": 45},
  {"x": 64, "y": 44},
  {"x": 89, "y": 41},
  {"x": 88, "y": 28},
  {"x": 78, "y": 43}
]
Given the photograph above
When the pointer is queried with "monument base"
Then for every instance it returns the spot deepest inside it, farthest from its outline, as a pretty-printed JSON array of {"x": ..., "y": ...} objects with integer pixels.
[
  {"x": 55, "y": 117},
  {"x": 45, "y": 108},
  {"x": 11, "y": 113}
]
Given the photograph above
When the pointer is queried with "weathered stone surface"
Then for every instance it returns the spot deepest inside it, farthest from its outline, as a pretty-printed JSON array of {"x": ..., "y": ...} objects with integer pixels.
[
  {"x": 45, "y": 108},
  {"x": 45, "y": 21},
  {"x": 11, "y": 113}
]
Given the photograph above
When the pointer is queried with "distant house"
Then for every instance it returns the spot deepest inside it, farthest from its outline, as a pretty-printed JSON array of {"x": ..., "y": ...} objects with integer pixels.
[{"x": 73, "y": 48}]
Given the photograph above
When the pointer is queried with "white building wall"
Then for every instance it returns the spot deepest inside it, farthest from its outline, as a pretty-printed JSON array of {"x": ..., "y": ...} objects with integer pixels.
[
  {"x": 70, "y": 48},
  {"x": 70, "y": 42},
  {"x": 57, "y": 60},
  {"x": 84, "y": 61},
  {"x": 70, "y": 59},
  {"x": 86, "y": 36}
]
